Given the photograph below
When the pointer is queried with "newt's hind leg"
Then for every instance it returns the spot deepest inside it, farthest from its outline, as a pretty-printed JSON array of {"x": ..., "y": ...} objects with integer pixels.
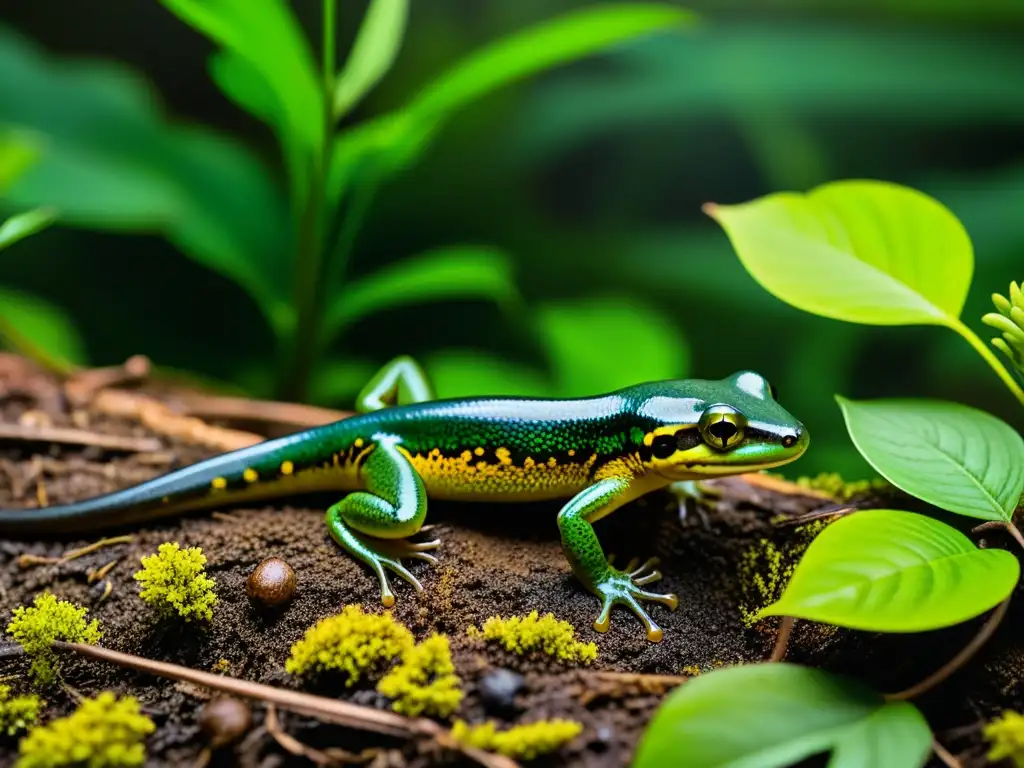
[
  {"x": 400, "y": 382},
  {"x": 393, "y": 507}
]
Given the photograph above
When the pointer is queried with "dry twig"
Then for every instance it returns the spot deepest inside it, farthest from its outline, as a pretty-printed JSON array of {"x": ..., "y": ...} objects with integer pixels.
[
  {"x": 71, "y": 436},
  {"x": 25, "y": 561}
]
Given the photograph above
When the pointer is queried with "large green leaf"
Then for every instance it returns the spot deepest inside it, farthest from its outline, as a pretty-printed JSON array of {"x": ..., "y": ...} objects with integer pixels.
[
  {"x": 39, "y": 330},
  {"x": 884, "y": 570},
  {"x": 375, "y": 49},
  {"x": 774, "y": 715},
  {"x": 17, "y": 153},
  {"x": 602, "y": 344},
  {"x": 860, "y": 251},
  {"x": 109, "y": 159},
  {"x": 402, "y": 136},
  {"x": 468, "y": 373},
  {"x": 455, "y": 272},
  {"x": 22, "y": 225},
  {"x": 266, "y": 35},
  {"x": 952, "y": 456}
]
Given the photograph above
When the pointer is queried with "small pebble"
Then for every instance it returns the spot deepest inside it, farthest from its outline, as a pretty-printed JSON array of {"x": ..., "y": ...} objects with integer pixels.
[
  {"x": 225, "y": 720},
  {"x": 271, "y": 583},
  {"x": 498, "y": 689}
]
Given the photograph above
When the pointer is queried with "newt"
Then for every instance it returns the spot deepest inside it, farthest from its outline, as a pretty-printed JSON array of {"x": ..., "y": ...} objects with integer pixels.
[{"x": 404, "y": 446}]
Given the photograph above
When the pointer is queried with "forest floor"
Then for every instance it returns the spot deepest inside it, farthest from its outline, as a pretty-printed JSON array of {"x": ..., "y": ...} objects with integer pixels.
[{"x": 494, "y": 560}]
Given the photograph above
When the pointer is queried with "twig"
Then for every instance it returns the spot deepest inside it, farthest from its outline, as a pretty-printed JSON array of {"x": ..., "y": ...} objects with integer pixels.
[
  {"x": 24, "y": 561},
  {"x": 957, "y": 661},
  {"x": 242, "y": 409},
  {"x": 81, "y": 387},
  {"x": 292, "y": 745},
  {"x": 320, "y": 707},
  {"x": 636, "y": 677},
  {"x": 161, "y": 419},
  {"x": 810, "y": 517},
  {"x": 785, "y": 487},
  {"x": 782, "y": 639},
  {"x": 945, "y": 755},
  {"x": 72, "y": 436}
]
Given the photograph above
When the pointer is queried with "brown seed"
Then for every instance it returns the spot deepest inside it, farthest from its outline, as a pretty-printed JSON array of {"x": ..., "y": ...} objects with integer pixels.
[
  {"x": 272, "y": 582},
  {"x": 225, "y": 720}
]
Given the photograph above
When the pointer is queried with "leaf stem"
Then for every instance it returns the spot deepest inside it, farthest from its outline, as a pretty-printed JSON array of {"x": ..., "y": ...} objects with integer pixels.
[
  {"x": 1015, "y": 532},
  {"x": 328, "y": 57},
  {"x": 990, "y": 357},
  {"x": 947, "y": 757},
  {"x": 951, "y": 666},
  {"x": 782, "y": 640}
]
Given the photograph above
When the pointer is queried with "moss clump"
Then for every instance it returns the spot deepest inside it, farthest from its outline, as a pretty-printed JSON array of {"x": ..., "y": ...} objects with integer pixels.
[
  {"x": 766, "y": 567},
  {"x": 174, "y": 581},
  {"x": 17, "y": 713},
  {"x": 523, "y": 742},
  {"x": 425, "y": 681},
  {"x": 534, "y": 633},
  {"x": 49, "y": 619},
  {"x": 832, "y": 484},
  {"x": 105, "y": 731},
  {"x": 352, "y": 642},
  {"x": 1006, "y": 735}
]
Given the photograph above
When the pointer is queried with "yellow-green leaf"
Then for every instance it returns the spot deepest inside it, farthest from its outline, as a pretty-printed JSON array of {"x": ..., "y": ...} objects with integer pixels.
[
  {"x": 885, "y": 570},
  {"x": 375, "y": 49},
  {"x": 861, "y": 251}
]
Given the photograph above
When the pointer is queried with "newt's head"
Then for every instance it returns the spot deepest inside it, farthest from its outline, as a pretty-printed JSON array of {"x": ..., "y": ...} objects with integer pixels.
[{"x": 702, "y": 428}]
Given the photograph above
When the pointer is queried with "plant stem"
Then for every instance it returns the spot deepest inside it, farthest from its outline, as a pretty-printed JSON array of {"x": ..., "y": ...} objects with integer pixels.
[
  {"x": 1015, "y": 532},
  {"x": 309, "y": 263},
  {"x": 947, "y": 757},
  {"x": 990, "y": 357},
  {"x": 782, "y": 640},
  {"x": 957, "y": 661}
]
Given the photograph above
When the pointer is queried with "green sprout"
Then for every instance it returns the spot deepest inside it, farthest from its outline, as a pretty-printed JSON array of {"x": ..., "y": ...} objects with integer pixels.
[
  {"x": 1009, "y": 320},
  {"x": 425, "y": 681},
  {"x": 17, "y": 713},
  {"x": 102, "y": 733},
  {"x": 174, "y": 581},
  {"x": 36, "y": 628}
]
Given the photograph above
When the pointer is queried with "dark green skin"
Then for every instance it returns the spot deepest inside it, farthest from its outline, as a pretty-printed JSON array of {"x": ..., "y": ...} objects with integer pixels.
[{"x": 600, "y": 451}]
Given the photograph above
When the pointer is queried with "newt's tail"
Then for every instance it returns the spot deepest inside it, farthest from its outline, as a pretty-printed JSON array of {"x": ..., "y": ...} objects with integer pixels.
[{"x": 248, "y": 474}]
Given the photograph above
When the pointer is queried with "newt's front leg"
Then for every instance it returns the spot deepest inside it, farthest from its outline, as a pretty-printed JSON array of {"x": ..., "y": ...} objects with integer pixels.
[{"x": 588, "y": 561}]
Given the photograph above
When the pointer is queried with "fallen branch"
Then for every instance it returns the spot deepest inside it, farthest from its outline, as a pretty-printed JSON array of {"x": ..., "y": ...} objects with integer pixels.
[
  {"x": 319, "y": 707},
  {"x": 71, "y": 436},
  {"x": 268, "y": 411},
  {"x": 82, "y": 386},
  {"x": 161, "y": 419}
]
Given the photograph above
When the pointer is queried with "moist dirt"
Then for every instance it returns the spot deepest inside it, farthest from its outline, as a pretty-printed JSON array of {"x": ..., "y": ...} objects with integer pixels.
[{"x": 494, "y": 560}]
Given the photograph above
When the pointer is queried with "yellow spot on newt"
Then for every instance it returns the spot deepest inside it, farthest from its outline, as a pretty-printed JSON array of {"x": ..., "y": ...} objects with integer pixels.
[
  {"x": 529, "y": 463},
  {"x": 552, "y": 462},
  {"x": 478, "y": 451},
  {"x": 466, "y": 456},
  {"x": 219, "y": 483},
  {"x": 359, "y": 442},
  {"x": 251, "y": 475},
  {"x": 287, "y": 467},
  {"x": 504, "y": 455},
  {"x": 572, "y": 451}
]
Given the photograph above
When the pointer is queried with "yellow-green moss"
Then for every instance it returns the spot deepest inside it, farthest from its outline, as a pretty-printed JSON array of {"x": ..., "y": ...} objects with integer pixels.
[
  {"x": 103, "y": 732},
  {"x": 17, "y": 713},
  {"x": 1006, "y": 735},
  {"x": 49, "y": 619},
  {"x": 523, "y": 742},
  {"x": 352, "y": 642},
  {"x": 425, "y": 681},
  {"x": 174, "y": 581},
  {"x": 834, "y": 485},
  {"x": 765, "y": 568},
  {"x": 534, "y": 633}
]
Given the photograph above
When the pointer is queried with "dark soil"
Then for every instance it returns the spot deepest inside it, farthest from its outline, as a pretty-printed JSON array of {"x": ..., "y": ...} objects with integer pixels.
[{"x": 495, "y": 560}]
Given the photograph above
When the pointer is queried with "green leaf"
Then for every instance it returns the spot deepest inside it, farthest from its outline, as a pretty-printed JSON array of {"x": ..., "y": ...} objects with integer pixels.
[
  {"x": 397, "y": 139},
  {"x": 455, "y": 272},
  {"x": 860, "y": 251},
  {"x": 466, "y": 373},
  {"x": 40, "y": 331},
  {"x": 24, "y": 224},
  {"x": 109, "y": 160},
  {"x": 17, "y": 153},
  {"x": 954, "y": 457},
  {"x": 884, "y": 570},
  {"x": 774, "y": 715},
  {"x": 373, "y": 53},
  {"x": 265, "y": 35},
  {"x": 243, "y": 84},
  {"x": 602, "y": 344}
]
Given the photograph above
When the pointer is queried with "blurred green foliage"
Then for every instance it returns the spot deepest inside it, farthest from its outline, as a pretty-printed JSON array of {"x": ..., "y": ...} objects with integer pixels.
[{"x": 557, "y": 220}]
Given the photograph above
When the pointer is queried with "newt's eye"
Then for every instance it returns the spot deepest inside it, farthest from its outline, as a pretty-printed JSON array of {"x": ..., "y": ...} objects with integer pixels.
[
  {"x": 722, "y": 427},
  {"x": 663, "y": 446}
]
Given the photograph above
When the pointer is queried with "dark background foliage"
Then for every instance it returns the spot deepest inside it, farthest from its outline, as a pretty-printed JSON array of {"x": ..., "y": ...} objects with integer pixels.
[{"x": 591, "y": 177}]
